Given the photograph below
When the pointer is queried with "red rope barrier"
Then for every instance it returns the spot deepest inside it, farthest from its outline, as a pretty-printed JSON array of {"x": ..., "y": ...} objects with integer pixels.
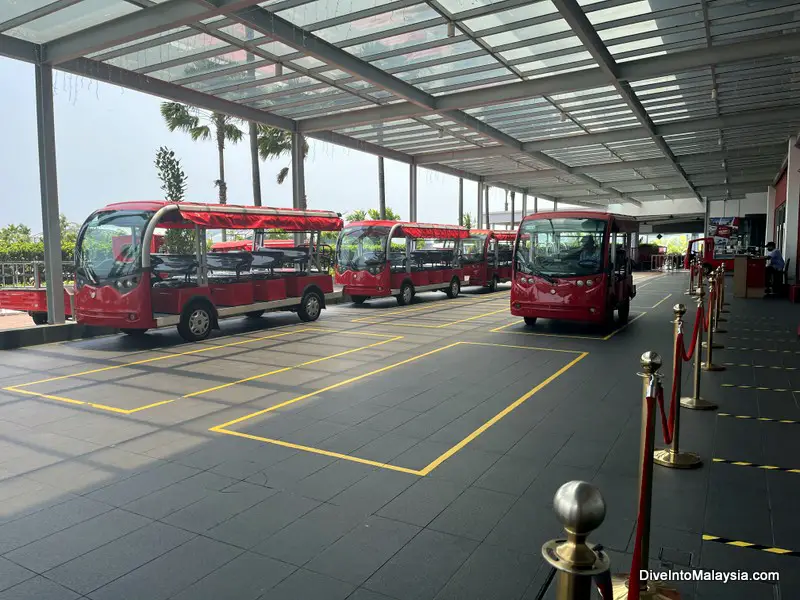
[
  {"x": 687, "y": 356},
  {"x": 707, "y": 320},
  {"x": 633, "y": 578},
  {"x": 667, "y": 425}
]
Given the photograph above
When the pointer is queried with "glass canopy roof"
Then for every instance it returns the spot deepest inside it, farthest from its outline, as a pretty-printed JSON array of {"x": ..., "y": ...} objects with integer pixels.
[{"x": 595, "y": 101}]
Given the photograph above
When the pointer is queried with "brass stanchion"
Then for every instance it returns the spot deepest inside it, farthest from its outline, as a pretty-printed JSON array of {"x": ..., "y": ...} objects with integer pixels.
[
  {"x": 672, "y": 457},
  {"x": 709, "y": 365},
  {"x": 712, "y": 317},
  {"x": 581, "y": 509},
  {"x": 691, "y": 291},
  {"x": 718, "y": 305},
  {"x": 719, "y": 278},
  {"x": 723, "y": 303},
  {"x": 651, "y": 363},
  {"x": 695, "y": 402}
]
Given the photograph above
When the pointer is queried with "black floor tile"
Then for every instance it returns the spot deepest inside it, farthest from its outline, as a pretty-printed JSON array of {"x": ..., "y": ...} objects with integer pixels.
[
  {"x": 38, "y": 588},
  {"x": 310, "y": 586},
  {"x": 423, "y": 567},
  {"x": 509, "y": 475},
  {"x": 422, "y": 502},
  {"x": 359, "y": 553},
  {"x": 473, "y": 514},
  {"x": 492, "y": 574},
  {"x": 12, "y": 574},
  {"x": 247, "y": 577}
]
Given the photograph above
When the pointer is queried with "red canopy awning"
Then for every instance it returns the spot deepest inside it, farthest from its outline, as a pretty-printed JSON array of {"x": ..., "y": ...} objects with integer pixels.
[
  {"x": 505, "y": 236},
  {"x": 419, "y": 230},
  {"x": 243, "y": 245},
  {"x": 217, "y": 216}
]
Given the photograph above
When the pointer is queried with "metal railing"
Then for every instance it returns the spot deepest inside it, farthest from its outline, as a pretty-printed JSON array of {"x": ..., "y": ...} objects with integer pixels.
[{"x": 30, "y": 273}]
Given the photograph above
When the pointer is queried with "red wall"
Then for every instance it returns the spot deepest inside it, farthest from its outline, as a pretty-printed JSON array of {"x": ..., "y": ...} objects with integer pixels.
[{"x": 780, "y": 199}]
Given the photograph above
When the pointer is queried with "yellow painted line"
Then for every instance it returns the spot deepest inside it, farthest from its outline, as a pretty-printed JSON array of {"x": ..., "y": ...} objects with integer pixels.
[
  {"x": 330, "y": 387},
  {"x": 165, "y": 357},
  {"x": 427, "y": 306},
  {"x": 777, "y": 367},
  {"x": 517, "y": 403},
  {"x": 763, "y": 419},
  {"x": 285, "y": 369},
  {"x": 616, "y": 331},
  {"x": 648, "y": 281},
  {"x": 664, "y": 299},
  {"x": 566, "y": 335},
  {"x": 123, "y": 411},
  {"x": 223, "y": 428},
  {"x": 443, "y": 325},
  {"x": 750, "y": 545},
  {"x": 319, "y": 451},
  {"x": 741, "y": 463}
]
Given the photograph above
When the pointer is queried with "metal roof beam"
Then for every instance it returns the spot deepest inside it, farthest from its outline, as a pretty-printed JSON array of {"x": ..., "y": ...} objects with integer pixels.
[
  {"x": 285, "y": 32},
  {"x": 646, "y": 68},
  {"x": 19, "y": 49},
  {"x": 136, "y": 25},
  {"x": 150, "y": 85},
  {"x": 572, "y": 13}
]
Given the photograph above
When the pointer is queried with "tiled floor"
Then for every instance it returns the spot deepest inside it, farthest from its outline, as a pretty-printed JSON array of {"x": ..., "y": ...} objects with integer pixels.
[{"x": 348, "y": 458}]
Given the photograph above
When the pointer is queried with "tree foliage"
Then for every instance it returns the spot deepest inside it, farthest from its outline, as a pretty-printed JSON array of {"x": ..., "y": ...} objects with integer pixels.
[
  {"x": 17, "y": 243},
  {"x": 371, "y": 214},
  {"x": 466, "y": 220},
  {"x": 173, "y": 183}
]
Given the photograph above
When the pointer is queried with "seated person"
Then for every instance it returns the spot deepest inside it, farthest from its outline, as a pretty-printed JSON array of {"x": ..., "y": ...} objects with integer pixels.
[
  {"x": 774, "y": 271},
  {"x": 590, "y": 251}
]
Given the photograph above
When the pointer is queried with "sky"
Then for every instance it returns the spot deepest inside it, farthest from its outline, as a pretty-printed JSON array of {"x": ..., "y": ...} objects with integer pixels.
[{"x": 107, "y": 138}]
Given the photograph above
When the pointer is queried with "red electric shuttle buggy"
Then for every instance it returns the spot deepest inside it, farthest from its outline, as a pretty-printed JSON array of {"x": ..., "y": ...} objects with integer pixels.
[
  {"x": 377, "y": 259},
  {"x": 486, "y": 257},
  {"x": 573, "y": 266},
  {"x": 136, "y": 290}
]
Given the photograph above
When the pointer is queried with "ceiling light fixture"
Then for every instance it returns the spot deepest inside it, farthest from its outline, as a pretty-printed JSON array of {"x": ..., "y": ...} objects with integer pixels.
[
  {"x": 563, "y": 117},
  {"x": 713, "y": 93},
  {"x": 278, "y": 69},
  {"x": 451, "y": 29}
]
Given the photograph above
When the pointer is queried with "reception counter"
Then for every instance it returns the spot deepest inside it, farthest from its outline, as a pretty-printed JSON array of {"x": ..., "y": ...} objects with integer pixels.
[{"x": 749, "y": 276}]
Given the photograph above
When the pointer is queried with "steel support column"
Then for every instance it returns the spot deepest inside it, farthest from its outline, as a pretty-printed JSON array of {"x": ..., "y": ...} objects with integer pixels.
[
  {"x": 48, "y": 184},
  {"x": 792, "y": 208},
  {"x": 513, "y": 197},
  {"x": 486, "y": 206},
  {"x": 298, "y": 174},
  {"x": 460, "y": 201},
  {"x": 769, "y": 231},
  {"x": 412, "y": 192},
  {"x": 536, "y": 204},
  {"x": 479, "y": 214},
  {"x": 524, "y": 205},
  {"x": 381, "y": 189}
]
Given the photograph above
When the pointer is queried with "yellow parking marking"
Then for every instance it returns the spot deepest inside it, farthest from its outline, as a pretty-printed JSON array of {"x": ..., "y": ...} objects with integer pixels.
[
  {"x": 428, "y": 306},
  {"x": 123, "y": 411},
  {"x": 750, "y": 545},
  {"x": 566, "y": 335},
  {"x": 742, "y": 463},
  {"x": 224, "y": 427},
  {"x": 443, "y": 325},
  {"x": 664, "y": 299},
  {"x": 777, "y": 367},
  {"x": 763, "y": 419}
]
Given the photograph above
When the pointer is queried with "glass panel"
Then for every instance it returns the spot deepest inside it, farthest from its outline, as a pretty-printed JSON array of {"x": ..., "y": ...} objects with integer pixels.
[
  {"x": 322, "y": 10},
  {"x": 509, "y": 17},
  {"x": 397, "y": 42},
  {"x": 378, "y": 23},
  {"x": 335, "y": 74},
  {"x": 428, "y": 54},
  {"x": 263, "y": 72},
  {"x": 277, "y": 86},
  {"x": 308, "y": 62},
  {"x": 447, "y": 68},
  {"x": 461, "y": 79},
  {"x": 165, "y": 52},
  {"x": 71, "y": 19},
  {"x": 567, "y": 59},
  {"x": 11, "y": 9},
  {"x": 210, "y": 65},
  {"x": 537, "y": 49},
  {"x": 184, "y": 32},
  {"x": 526, "y": 33}
]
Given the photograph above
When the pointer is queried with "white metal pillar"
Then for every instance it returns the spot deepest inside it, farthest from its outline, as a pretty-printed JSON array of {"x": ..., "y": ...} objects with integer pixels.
[
  {"x": 298, "y": 174},
  {"x": 460, "y": 201},
  {"x": 479, "y": 215},
  {"x": 412, "y": 192},
  {"x": 769, "y": 232},
  {"x": 524, "y": 204},
  {"x": 486, "y": 206},
  {"x": 535, "y": 204},
  {"x": 48, "y": 183},
  {"x": 513, "y": 197},
  {"x": 792, "y": 207},
  {"x": 555, "y": 205}
]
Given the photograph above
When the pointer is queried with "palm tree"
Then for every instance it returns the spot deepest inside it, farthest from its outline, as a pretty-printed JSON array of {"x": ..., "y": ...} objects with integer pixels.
[
  {"x": 467, "y": 220},
  {"x": 273, "y": 142},
  {"x": 356, "y": 215},
  {"x": 202, "y": 125}
]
